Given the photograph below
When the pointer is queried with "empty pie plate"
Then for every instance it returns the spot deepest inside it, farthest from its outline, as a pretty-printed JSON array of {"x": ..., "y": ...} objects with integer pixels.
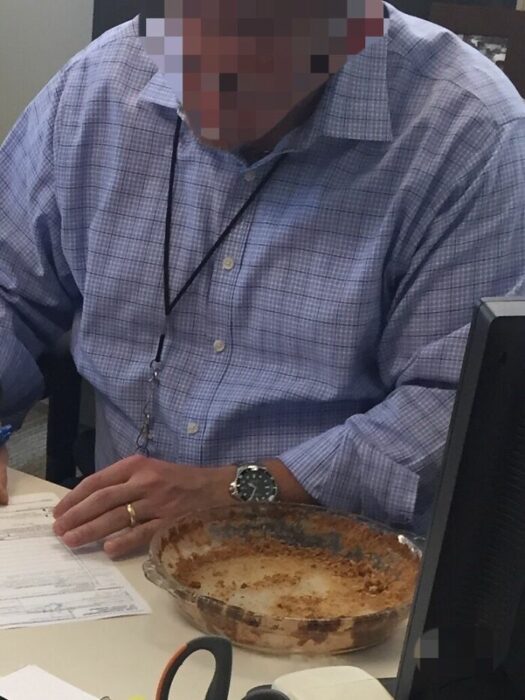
[{"x": 285, "y": 577}]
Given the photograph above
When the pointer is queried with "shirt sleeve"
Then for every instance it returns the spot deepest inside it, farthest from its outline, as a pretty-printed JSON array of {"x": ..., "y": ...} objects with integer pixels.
[
  {"x": 37, "y": 291},
  {"x": 383, "y": 463}
]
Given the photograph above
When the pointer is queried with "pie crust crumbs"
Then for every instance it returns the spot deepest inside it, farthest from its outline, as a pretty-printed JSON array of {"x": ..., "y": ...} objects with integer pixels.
[{"x": 259, "y": 572}]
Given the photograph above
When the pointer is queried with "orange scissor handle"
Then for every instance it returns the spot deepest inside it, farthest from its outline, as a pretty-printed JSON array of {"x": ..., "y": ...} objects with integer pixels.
[{"x": 220, "y": 684}]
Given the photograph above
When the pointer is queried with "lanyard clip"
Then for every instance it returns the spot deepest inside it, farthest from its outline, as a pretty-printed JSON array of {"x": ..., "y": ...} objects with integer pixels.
[{"x": 145, "y": 435}]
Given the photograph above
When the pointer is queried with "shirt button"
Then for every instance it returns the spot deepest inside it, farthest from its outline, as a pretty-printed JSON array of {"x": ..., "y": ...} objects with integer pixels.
[
  {"x": 192, "y": 428},
  {"x": 249, "y": 176},
  {"x": 228, "y": 263},
  {"x": 219, "y": 345}
]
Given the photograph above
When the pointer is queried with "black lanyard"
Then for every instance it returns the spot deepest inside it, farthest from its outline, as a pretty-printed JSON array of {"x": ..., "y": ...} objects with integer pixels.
[{"x": 169, "y": 304}]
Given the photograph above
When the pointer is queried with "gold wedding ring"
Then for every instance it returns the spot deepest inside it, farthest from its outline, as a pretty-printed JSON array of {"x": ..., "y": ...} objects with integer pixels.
[{"x": 132, "y": 515}]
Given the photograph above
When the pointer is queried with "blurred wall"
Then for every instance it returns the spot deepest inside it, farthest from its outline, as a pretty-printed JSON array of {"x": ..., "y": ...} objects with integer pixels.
[{"x": 36, "y": 38}]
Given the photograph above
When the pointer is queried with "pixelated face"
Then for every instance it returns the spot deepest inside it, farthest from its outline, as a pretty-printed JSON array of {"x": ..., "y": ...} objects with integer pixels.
[{"x": 239, "y": 66}]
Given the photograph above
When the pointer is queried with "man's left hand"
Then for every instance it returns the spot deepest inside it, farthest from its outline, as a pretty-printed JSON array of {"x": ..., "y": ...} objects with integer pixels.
[{"x": 157, "y": 490}]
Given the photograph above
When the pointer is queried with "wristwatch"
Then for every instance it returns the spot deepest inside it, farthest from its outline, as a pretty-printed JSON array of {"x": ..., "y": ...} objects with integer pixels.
[{"x": 253, "y": 483}]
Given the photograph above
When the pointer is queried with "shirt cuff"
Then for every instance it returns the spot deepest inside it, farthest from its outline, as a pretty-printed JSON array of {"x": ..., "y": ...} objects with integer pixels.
[{"x": 344, "y": 473}]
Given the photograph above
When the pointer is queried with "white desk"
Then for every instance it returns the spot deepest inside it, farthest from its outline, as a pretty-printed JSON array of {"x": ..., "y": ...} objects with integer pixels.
[{"x": 125, "y": 656}]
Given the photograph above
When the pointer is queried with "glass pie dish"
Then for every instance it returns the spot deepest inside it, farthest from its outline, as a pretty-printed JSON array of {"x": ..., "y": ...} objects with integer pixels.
[{"x": 286, "y": 578}]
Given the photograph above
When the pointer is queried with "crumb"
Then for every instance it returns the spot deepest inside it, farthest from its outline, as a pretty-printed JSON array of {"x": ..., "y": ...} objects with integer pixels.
[{"x": 374, "y": 572}]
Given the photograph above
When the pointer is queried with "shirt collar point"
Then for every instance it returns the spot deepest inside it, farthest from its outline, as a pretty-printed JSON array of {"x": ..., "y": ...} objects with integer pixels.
[{"x": 157, "y": 91}]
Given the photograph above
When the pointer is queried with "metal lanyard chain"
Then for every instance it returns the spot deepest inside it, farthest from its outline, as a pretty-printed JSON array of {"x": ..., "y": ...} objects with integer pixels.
[{"x": 145, "y": 435}]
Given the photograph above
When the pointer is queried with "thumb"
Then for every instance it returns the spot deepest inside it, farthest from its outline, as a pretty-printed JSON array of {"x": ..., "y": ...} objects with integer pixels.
[{"x": 4, "y": 458}]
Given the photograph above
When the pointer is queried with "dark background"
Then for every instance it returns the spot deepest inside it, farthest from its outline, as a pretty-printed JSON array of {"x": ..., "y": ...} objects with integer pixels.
[{"x": 108, "y": 13}]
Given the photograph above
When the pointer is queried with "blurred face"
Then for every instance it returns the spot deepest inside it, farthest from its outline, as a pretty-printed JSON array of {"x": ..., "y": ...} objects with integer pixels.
[{"x": 239, "y": 66}]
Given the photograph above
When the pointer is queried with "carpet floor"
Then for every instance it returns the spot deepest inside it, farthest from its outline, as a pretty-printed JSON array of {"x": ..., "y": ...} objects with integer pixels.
[{"x": 27, "y": 447}]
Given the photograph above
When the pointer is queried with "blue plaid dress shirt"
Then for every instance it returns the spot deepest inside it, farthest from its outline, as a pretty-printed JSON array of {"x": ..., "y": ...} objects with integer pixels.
[{"x": 329, "y": 329}]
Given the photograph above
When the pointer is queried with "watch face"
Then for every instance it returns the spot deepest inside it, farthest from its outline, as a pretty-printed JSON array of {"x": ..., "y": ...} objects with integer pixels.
[{"x": 256, "y": 484}]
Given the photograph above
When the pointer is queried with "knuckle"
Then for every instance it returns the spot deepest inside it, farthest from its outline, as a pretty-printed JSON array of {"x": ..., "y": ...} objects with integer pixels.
[
  {"x": 94, "y": 482},
  {"x": 148, "y": 480},
  {"x": 149, "y": 476},
  {"x": 71, "y": 524},
  {"x": 66, "y": 522},
  {"x": 133, "y": 463},
  {"x": 103, "y": 500},
  {"x": 75, "y": 538}
]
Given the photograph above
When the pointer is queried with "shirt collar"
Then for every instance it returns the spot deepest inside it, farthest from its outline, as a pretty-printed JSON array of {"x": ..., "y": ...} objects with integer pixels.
[
  {"x": 355, "y": 104},
  {"x": 157, "y": 91}
]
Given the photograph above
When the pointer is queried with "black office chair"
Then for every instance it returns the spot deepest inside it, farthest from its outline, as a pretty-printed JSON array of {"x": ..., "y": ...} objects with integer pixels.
[
  {"x": 68, "y": 445},
  {"x": 62, "y": 389}
]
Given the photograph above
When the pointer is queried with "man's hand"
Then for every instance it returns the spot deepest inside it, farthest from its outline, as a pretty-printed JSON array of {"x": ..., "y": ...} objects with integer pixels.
[
  {"x": 3, "y": 475},
  {"x": 96, "y": 508},
  {"x": 157, "y": 490}
]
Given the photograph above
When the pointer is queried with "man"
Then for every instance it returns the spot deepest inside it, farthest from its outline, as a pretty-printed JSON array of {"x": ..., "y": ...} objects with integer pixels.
[{"x": 268, "y": 233}]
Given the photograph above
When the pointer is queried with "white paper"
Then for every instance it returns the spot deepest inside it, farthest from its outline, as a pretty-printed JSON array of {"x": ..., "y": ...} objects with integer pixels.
[
  {"x": 32, "y": 683},
  {"x": 42, "y": 581}
]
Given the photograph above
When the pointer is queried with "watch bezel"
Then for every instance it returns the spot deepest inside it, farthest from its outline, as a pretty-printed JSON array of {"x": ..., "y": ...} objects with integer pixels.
[{"x": 253, "y": 466}]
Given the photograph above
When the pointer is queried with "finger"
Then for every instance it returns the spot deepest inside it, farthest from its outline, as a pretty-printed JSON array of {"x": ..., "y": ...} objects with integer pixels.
[
  {"x": 98, "y": 528},
  {"x": 133, "y": 539},
  {"x": 117, "y": 473},
  {"x": 3, "y": 476},
  {"x": 95, "y": 505}
]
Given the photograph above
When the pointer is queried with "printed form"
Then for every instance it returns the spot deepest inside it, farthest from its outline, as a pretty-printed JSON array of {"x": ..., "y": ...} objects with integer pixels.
[{"x": 42, "y": 581}]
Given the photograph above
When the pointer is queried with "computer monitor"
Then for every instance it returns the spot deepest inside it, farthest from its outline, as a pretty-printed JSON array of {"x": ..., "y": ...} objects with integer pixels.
[{"x": 466, "y": 634}]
